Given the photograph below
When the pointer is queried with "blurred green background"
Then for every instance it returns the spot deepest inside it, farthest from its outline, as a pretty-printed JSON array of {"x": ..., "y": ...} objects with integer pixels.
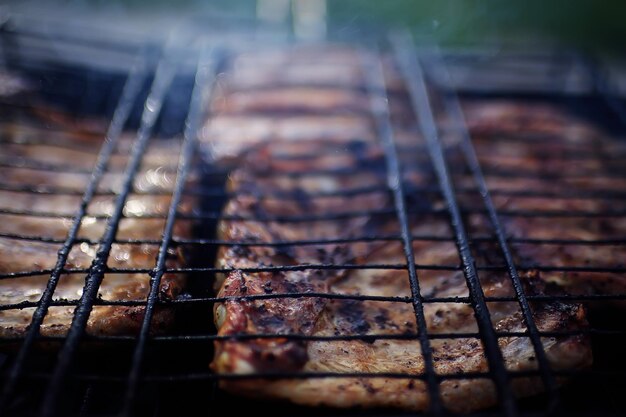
[
  {"x": 588, "y": 23},
  {"x": 598, "y": 24}
]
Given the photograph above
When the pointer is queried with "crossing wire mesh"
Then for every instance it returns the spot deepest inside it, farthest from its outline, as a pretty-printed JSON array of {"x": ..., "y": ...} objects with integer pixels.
[{"x": 165, "y": 374}]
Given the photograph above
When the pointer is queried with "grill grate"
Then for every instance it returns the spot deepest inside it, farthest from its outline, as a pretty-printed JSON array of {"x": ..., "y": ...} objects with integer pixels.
[
  {"x": 117, "y": 124},
  {"x": 141, "y": 367},
  {"x": 164, "y": 74},
  {"x": 376, "y": 83},
  {"x": 419, "y": 96}
]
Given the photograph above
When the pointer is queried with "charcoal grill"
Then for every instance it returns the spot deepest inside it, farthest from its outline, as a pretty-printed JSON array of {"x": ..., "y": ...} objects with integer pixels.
[{"x": 147, "y": 375}]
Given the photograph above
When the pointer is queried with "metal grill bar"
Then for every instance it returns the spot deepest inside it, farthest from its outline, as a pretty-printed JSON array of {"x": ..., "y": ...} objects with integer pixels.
[
  {"x": 377, "y": 92},
  {"x": 201, "y": 242},
  {"x": 453, "y": 108},
  {"x": 564, "y": 193},
  {"x": 579, "y": 152},
  {"x": 40, "y": 136},
  {"x": 608, "y": 172},
  {"x": 415, "y": 210},
  {"x": 514, "y": 374},
  {"x": 205, "y": 76},
  {"x": 612, "y": 172},
  {"x": 432, "y": 267},
  {"x": 563, "y": 156},
  {"x": 334, "y": 215},
  {"x": 414, "y": 78},
  {"x": 135, "y": 376},
  {"x": 495, "y": 172},
  {"x": 339, "y": 338},
  {"x": 28, "y": 141},
  {"x": 21, "y": 162},
  {"x": 330, "y": 296},
  {"x": 303, "y": 267},
  {"x": 433, "y": 238},
  {"x": 349, "y": 337},
  {"x": 163, "y": 76},
  {"x": 425, "y": 299},
  {"x": 133, "y": 85},
  {"x": 220, "y": 192},
  {"x": 403, "y": 336},
  {"x": 409, "y": 336}
]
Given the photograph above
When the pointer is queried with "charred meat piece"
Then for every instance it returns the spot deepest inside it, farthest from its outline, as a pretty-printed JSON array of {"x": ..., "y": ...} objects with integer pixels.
[
  {"x": 558, "y": 179},
  {"x": 302, "y": 107},
  {"x": 255, "y": 218},
  {"x": 75, "y": 150},
  {"x": 527, "y": 119},
  {"x": 227, "y": 136},
  {"x": 43, "y": 180},
  {"x": 293, "y": 100}
]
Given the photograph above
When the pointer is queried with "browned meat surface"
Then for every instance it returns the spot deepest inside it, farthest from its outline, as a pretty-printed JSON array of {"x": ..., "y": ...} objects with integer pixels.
[
  {"x": 281, "y": 96},
  {"x": 575, "y": 177},
  {"x": 298, "y": 94},
  {"x": 274, "y": 171},
  {"x": 310, "y": 165},
  {"x": 524, "y": 119},
  {"x": 228, "y": 136},
  {"x": 293, "y": 100},
  {"x": 50, "y": 159},
  {"x": 153, "y": 180},
  {"x": 76, "y": 149}
]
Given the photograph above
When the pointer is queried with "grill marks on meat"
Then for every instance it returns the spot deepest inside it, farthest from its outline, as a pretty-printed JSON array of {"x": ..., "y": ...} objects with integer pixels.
[
  {"x": 302, "y": 159},
  {"x": 579, "y": 170},
  {"x": 289, "y": 315},
  {"x": 295, "y": 98},
  {"x": 60, "y": 150},
  {"x": 333, "y": 317},
  {"x": 279, "y": 101},
  {"x": 228, "y": 136}
]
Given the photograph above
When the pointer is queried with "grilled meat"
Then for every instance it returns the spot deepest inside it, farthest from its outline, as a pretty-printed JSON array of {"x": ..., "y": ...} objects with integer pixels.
[
  {"x": 267, "y": 97},
  {"x": 43, "y": 178},
  {"x": 524, "y": 119},
  {"x": 73, "y": 151},
  {"x": 229, "y": 136},
  {"x": 558, "y": 179},
  {"x": 293, "y": 100},
  {"x": 305, "y": 108},
  {"x": 311, "y": 175},
  {"x": 271, "y": 172}
]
